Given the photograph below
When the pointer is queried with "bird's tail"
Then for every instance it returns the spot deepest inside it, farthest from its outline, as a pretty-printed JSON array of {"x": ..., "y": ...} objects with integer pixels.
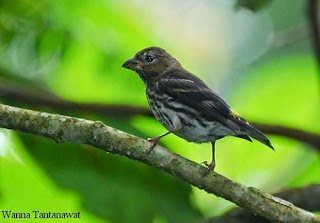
[{"x": 258, "y": 135}]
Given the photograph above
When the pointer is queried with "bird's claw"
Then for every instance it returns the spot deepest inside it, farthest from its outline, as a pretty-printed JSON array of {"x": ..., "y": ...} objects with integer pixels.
[
  {"x": 154, "y": 142},
  {"x": 210, "y": 167},
  {"x": 204, "y": 163},
  {"x": 151, "y": 147},
  {"x": 205, "y": 173}
]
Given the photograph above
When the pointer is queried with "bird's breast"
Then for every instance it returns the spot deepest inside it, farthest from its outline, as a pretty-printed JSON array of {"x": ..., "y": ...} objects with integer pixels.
[{"x": 157, "y": 103}]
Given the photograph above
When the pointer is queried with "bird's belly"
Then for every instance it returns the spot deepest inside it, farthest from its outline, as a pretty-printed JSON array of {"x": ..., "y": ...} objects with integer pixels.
[
  {"x": 194, "y": 132},
  {"x": 188, "y": 125},
  {"x": 168, "y": 118}
]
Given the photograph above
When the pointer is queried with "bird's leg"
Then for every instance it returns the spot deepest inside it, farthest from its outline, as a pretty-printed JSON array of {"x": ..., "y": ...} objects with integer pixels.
[
  {"x": 212, "y": 165},
  {"x": 154, "y": 141}
]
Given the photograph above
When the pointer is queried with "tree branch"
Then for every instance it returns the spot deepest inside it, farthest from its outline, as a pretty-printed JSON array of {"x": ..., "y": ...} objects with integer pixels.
[
  {"x": 26, "y": 96},
  {"x": 23, "y": 95},
  {"x": 62, "y": 128},
  {"x": 303, "y": 197},
  {"x": 309, "y": 138}
]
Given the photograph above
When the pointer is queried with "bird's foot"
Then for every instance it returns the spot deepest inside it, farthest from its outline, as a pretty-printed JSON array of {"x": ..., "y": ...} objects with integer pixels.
[
  {"x": 205, "y": 163},
  {"x": 154, "y": 141},
  {"x": 210, "y": 167}
]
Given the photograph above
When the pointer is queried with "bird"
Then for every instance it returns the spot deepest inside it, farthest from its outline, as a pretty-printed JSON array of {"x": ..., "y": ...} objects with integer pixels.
[{"x": 185, "y": 105}]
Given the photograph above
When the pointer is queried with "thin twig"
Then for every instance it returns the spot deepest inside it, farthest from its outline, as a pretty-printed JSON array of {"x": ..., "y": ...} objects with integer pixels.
[{"x": 62, "y": 128}]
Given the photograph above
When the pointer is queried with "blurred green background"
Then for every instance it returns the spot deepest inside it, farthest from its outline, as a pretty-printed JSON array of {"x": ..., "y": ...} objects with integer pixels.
[{"x": 260, "y": 61}]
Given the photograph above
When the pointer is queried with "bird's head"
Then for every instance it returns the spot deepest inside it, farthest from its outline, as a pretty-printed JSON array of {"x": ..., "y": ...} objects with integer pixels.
[{"x": 151, "y": 63}]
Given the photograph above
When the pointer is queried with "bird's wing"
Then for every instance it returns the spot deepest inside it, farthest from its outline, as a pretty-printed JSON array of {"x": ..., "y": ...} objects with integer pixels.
[{"x": 186, "y": 89}]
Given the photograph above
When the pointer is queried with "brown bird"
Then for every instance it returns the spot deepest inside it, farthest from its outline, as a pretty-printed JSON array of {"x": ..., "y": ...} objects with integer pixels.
[{"x": 185, "y": 105}]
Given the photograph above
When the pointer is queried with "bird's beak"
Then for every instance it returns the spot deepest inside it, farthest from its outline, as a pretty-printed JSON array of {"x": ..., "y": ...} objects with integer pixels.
[{"x": 131, "y": 64}]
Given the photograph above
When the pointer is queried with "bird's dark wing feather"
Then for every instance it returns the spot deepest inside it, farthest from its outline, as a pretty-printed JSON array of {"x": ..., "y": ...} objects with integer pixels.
[{"x": 188, "y": 89}]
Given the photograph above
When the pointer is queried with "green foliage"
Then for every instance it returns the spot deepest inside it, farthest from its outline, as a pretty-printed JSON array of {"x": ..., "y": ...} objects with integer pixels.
[
  {"x": 253, "y": 5},
  {"x": 75, "y": 49},
  {"x": 26, "y": 187}
]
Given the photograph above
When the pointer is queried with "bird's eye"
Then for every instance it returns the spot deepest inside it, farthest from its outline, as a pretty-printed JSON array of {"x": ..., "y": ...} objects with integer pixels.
[{"x": 149, "y": 58}]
